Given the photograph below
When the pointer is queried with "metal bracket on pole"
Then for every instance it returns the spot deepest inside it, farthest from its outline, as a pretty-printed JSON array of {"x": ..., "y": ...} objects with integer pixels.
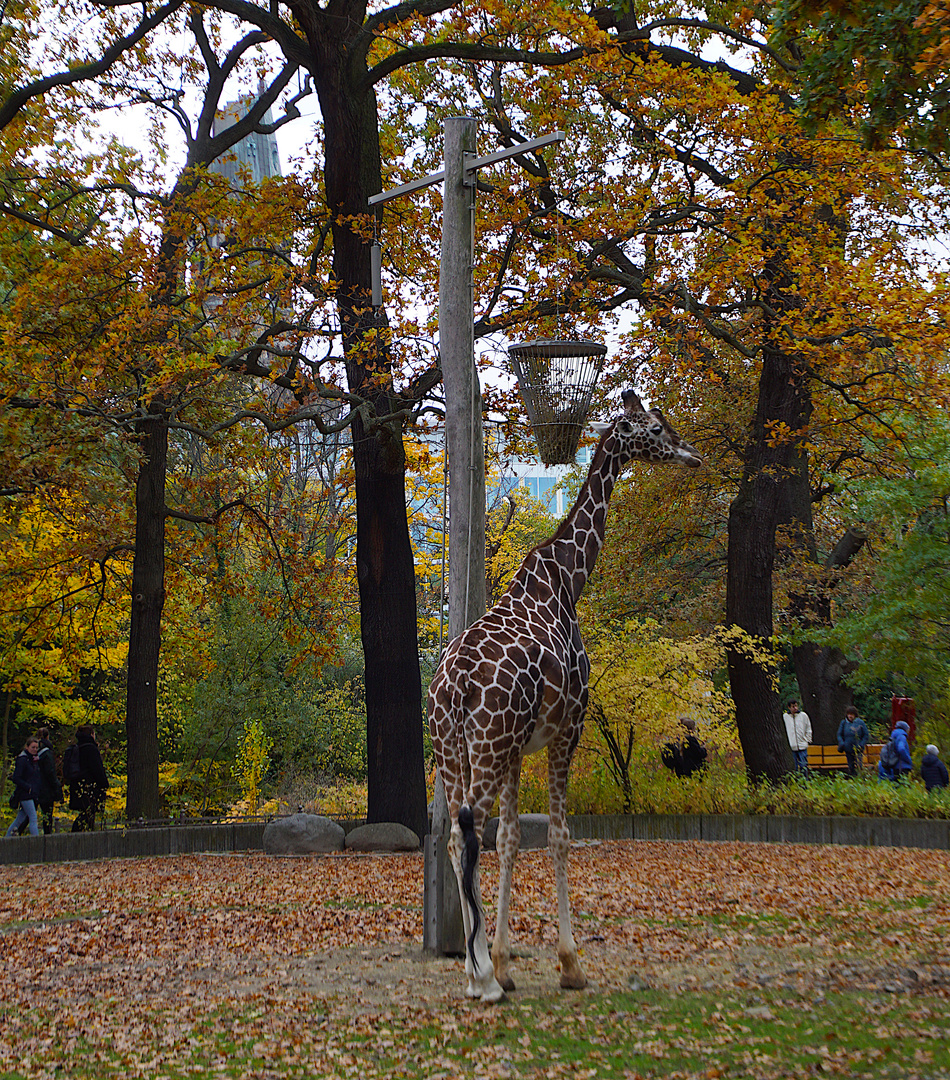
[{"x": 405, "y": 189}]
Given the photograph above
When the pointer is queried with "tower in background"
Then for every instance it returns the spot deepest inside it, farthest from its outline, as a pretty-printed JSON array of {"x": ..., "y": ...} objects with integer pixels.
[{"x": 256, "y": 154}]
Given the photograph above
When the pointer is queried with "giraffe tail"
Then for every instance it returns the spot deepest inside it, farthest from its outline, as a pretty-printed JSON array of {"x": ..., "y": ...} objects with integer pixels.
[{"x": 469, "y": 863}]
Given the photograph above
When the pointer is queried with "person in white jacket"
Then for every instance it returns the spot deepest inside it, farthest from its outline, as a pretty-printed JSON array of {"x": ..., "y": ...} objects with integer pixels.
[{"x": 798, "y": 729}]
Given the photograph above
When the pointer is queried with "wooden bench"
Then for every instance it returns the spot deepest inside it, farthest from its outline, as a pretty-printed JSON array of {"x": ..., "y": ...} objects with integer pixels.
[{"x": 831, "y": 759}]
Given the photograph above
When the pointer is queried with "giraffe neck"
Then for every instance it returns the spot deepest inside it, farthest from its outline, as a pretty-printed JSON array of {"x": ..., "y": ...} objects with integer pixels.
[{"x": 578, "y": 541}]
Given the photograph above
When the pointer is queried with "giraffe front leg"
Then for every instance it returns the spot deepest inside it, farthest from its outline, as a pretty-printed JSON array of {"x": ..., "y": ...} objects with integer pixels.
[
  {"x": 507, "y": 844},
  {"x": 559, "y": 844}
]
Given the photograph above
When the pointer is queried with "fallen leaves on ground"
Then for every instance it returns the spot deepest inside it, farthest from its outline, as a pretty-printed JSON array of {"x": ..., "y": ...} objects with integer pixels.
[{"x": 245, "y": 965}]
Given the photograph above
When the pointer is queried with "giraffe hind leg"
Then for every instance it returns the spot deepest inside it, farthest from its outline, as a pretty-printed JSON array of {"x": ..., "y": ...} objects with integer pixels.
[
  {"x": 455, "y": 846},
  {"x": 482, "y": 981}
]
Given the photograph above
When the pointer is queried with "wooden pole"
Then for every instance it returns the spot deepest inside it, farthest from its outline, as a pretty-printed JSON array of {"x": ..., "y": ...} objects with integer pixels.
[
  {"x": 465, "y": 448},
  {"x": 463, "y": 400}
]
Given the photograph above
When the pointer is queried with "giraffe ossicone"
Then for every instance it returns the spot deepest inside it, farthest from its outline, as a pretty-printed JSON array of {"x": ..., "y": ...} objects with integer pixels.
[{"x": 515, "y": 682}]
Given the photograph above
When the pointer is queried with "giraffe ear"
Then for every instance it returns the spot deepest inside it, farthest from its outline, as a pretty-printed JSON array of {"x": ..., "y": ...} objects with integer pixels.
[{"x": 600, "y": 428}]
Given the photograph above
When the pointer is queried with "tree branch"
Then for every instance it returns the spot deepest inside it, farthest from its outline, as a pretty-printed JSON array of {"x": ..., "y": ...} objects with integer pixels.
[{"x": 16, "y": 101}]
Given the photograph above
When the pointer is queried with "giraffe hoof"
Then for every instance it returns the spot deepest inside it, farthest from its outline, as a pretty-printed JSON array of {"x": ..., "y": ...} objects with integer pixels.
[
  {"x": 574, "y": 980},
  {"x": 493, "y": 994}
]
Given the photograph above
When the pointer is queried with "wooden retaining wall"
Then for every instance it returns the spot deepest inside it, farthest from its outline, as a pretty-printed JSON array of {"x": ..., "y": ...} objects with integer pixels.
[
  {"x": 132, "y": 843},
  {"x": 249, "y": 836}
]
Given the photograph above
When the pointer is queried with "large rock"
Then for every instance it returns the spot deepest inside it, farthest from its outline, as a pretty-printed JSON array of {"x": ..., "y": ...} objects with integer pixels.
[
  {"x": 534, "y": 832},
  {"x": 302, "y": 834},
  {"x": 382, "y": 836}
]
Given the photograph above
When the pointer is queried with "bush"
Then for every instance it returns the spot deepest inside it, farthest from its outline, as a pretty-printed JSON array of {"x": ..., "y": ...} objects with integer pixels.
[
  {"x": 723, "y": 788},
  {"x": 253, "y": 761},
  {"x": 316, "y": 793},
  {"x": 196, "y": 788}
]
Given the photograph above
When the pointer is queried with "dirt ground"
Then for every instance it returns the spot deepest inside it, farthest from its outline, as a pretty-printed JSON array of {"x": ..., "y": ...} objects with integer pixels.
[
  {"x": 375, "y": 977},
  {"x": 673, "y": 916},
  {"x": 371, "y": 979}
]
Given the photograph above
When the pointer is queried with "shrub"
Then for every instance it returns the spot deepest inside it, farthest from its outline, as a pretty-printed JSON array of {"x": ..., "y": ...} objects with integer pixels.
[
  {"x": 723, "y": 788},
  {"x": 196, "y": 788},
  {"x": 252, "y": 762}
]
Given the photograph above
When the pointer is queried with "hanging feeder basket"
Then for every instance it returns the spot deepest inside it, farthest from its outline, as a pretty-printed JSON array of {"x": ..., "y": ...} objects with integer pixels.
[{"x": 557, "y": 380}]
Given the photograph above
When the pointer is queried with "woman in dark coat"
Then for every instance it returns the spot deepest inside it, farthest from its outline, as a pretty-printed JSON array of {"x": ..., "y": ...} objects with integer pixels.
[
  {"x": 26, "y": 781},
  {"x": 49, "y": 791},
  {"x": 932, "y": 769},
  {"x": 88, "y": 793}
]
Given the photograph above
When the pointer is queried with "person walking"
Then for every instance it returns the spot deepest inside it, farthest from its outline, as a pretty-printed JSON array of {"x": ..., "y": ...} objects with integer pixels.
[
  {"x": 853, "y": 737},
  {"x": 87, "y": 794},
  {"x": 49, "y": 790},
  {"x": 798, "y": 730},
  {"x": 896, "y": 765},
  {"x": 26, "y": 781},
  {"x": 933, "y": 772},
  {"x": 687, "y": 757}
]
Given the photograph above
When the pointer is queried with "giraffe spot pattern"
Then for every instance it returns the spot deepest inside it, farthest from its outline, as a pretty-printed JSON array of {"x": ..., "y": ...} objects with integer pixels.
[
  {"x": 517, "y": 678},
  {"x": 516, "y": 681}
]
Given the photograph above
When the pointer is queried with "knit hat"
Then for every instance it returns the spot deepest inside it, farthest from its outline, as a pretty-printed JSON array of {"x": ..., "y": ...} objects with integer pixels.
[
  {"x": 931, "y": 749},
  {"x": 903, "y": 725}
]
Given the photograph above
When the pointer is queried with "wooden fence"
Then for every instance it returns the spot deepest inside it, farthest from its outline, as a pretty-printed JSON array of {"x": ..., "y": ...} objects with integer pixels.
[{"x": 176, "y": 839}]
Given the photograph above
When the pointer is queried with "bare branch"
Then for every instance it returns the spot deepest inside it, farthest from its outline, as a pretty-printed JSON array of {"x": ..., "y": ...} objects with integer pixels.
[{"x": 16, "y": 101}]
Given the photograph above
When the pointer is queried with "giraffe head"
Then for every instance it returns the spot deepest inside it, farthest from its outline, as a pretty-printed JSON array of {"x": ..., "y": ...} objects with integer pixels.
[{"x": 646, "y": 435}]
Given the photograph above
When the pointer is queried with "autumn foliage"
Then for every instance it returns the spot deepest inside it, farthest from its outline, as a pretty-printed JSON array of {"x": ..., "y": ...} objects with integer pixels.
[{"x": 181, "y": 355}]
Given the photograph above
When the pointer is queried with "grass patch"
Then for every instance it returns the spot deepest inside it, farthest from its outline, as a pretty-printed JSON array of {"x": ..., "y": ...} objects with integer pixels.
[
  {"x": 701, "y": 1035},
  {"x": 356, "y": 905},
  {"x": 923, "y": 901},
  {"x": 693, "y": 1035},
  {"x": 722, "y": 789},
  {"x": 651, "y": 1034}
]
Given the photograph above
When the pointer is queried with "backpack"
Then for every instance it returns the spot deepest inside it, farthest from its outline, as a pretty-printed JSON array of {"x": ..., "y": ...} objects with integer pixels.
[
  {"x": 72, "y": 770},
  {"x": 889, "y": 755}
]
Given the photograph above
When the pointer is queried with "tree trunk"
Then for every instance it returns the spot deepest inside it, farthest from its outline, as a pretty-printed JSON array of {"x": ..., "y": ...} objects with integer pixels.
[
  {"x": 386, "y": 574},
  {"x": 821, "y": 672},
  {"x": 822, "y": 669},
  {"x": 754, "y": 516},
  {"x": 145, "y": 632},
  {"x": 388, "y": 627},
  {"x": 752, "y": 524}
]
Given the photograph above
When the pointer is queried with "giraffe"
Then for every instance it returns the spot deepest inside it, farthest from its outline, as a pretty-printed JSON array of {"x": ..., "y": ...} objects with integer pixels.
[{"x": 514, "y": 682}]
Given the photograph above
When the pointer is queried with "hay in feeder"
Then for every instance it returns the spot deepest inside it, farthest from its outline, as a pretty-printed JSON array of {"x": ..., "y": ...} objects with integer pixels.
[{"x": 557, "y": 380}]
